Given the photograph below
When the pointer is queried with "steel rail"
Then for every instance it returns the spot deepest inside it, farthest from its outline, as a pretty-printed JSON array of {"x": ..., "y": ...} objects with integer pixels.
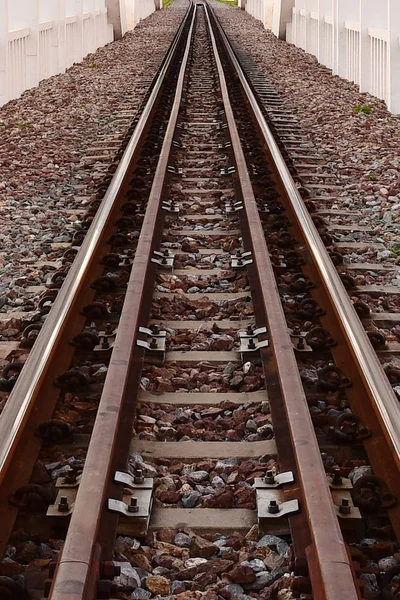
[
  {"x": 75, "y": 575},
  {"x": 377, "y": 385},
  {"x": 329, "y": 564},
  {"x": 27, "y": 388}
]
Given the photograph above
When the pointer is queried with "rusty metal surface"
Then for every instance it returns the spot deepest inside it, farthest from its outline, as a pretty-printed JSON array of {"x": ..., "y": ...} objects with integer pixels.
[
  {"x": 331, "y": 569},
  {"x": 376, "y": 383},
  {"x": 22, "y": 398},
  {"x": 74, "y": 575}
]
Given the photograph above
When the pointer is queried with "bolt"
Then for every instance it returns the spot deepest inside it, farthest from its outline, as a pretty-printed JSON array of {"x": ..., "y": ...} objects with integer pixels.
[
  {"x": 155, "y": 329},
  {"x": 70, "y": 478},
  {"x": 153, "y": 344},
  {"x": 63, "y": 505},
  {"x": 300, "y": 344},
  {"x": 269, "y": 477},
  {"x": 133, "y": 507},
  {"x": 164, "y": 261},
  {"x": 138, "y": 477},
  {"x": 273, "y": 507},
  {"x": 166, "y": 252},
  {"x": 345, "y": 508},
  {"x": 238, "y": 253},
  {"x": 108, "y": 328},
  {"x": 104, "y": 343},
  {"x": 249, "y": 330},
  {"x": 239, "y": 261},
  {"x": 251, "y": 345},
  {"x": 336, "y": 478},
  {"x": 109, "y": 570}
]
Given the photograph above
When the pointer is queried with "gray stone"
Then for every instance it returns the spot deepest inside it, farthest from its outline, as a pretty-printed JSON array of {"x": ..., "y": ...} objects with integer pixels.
[
  {"x": 182, "y": 540},
  {"x": 178, "y": 587},
  {"x": 125, "y": 544},
  {"x": 191, "y": 499},
  {"x": 227, "y": 463},
  {"x": 272, "y": 541},
  {"x": 234, "y": 589},
  {"x": 358, "y": 472},
  {"x": 199, "y": 476},
  {"x": 140, "y": 594},
  {"x": 229, "y": 369},
  {"x": 256, "y": 564},
  {"x": 387, "y": 563},
  {"x": 129, "y": 575},
  {"x": 370, "y": 581},
  {"x": 263, "y": 579}
]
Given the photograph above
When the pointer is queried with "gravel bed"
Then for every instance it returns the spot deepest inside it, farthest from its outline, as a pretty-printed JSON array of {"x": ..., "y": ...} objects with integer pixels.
[
  {"x": 204, "y": 377},
  {"x": 225, "y": 422},
  {"x": 47, "y": 174},
  {"x": 366, "y": 161}
]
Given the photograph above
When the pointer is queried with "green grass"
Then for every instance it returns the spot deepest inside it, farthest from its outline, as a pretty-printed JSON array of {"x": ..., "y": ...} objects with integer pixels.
[
  {"x": 395, "y": 251},
  {"x": 22, "y": 124},
  {"x": 166, "y": 3},
  {"x": 229, "y": 2},
  {"x": 362, "y": 108}
]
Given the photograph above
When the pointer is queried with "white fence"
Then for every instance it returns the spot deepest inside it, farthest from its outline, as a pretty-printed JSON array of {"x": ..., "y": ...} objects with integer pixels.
[
  {"x": 40, "y": 38},
  {"x": 358, "y": 39}
]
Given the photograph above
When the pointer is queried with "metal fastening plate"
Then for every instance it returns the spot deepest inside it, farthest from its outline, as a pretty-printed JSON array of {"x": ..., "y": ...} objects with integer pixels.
[
  {"x": 228, "y": 170},
  {"x": 60, "y": 483},
  {"x": 167, "y": 262},
  {"x": 267, "y": 495},
  {"x": 170, "y": 207},
  {"x": 159, "y": 345},
  {"x": 123, "y": 508},
  {"x": 338, "y": 496},
  {"x": 233, "y": 208},
  {"x": 128, "y": 480},
  {"x": 279, "y": 480},
  {"x": 178, "y": 144},
  {"x": 257, "y": 345},
  {"x": 70, "y": 495},
  {"x": 281, "y": 264},
  {"x": 161, "y": 333},
  {"x": 134, "y": 523},
  {"x": 299, "y": 341},
  {"x": 255, "y": 332},
  {"x": 239, "y": 261},
  {"x": 165, "y": 254},
  {"x": 110, "y": 344},
  {"x": 344, "y": 485},
  {"x": 225, "y": 145}
]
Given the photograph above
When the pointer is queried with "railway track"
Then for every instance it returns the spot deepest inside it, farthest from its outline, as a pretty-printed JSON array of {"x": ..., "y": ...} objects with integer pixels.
[{"x": 202, "y": 312}]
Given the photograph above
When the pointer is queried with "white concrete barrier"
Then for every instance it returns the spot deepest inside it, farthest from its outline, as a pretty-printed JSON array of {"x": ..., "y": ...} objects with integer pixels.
[{"x": 40, "y": 38}]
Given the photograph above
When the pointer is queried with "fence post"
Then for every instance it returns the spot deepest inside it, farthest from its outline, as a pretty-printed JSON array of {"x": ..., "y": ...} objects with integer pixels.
[
  {"x": 393, "y": 68},
  {"x": 79, "y": 34},
  {"x": 282, "y": 15},
  {"x": 117, "y": 17},
  {"x": 32, "y": 43},
  {"x": 3, "y": 49},
  {"x": 339, "y": 38}
]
